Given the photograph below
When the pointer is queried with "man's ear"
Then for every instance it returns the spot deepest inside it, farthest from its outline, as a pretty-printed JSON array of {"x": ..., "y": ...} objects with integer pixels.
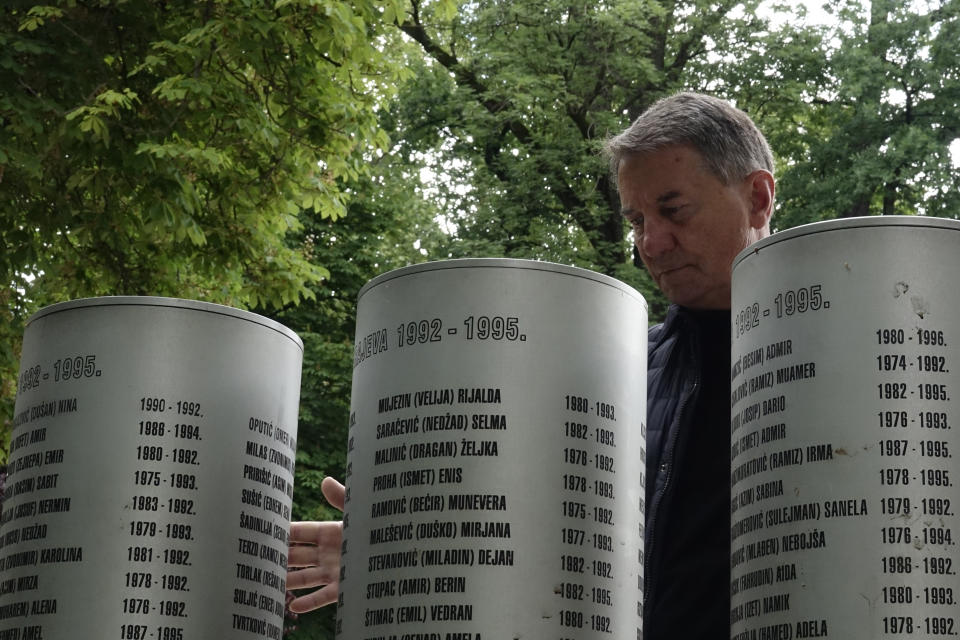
[{"x": 762, "y": 189}]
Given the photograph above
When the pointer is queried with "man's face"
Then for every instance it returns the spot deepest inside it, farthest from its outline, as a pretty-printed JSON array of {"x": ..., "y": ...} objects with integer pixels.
[{"x": 688, "y": 226}]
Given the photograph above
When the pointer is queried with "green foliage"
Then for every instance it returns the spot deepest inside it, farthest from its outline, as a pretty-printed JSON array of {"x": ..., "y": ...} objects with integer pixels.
[
  {"x": 521, "y": 96},
  {"x": 514, "y": 99},
  {"x": 387, "y": 226},
  {"x": 884, "y": 115},
  {"x": 385, "y": 229},
  {"x": 170, "y": 148}
]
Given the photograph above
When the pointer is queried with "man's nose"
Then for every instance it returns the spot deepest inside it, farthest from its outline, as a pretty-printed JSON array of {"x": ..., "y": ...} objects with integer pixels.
[{"x": 657, "y": 238}]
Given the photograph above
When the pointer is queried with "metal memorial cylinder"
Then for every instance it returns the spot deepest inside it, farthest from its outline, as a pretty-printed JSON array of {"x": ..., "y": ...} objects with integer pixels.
[
  {"x": 496, "y": 455},
  {"x": 151, "y": 473},
  {"x": 844, "y": 422}
]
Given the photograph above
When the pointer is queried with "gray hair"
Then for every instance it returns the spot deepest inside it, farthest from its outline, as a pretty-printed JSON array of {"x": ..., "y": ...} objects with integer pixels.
[{"x": 729, "y": 142}]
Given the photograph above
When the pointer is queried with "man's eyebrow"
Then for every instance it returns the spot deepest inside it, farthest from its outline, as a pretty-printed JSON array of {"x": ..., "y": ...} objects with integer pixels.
[{"x": 629, "y": 212}]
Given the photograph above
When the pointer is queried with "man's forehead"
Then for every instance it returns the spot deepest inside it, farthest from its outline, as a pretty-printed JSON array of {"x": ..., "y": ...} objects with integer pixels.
[
  {"x": 654, "y": 177},
  {"x": 663, "y": 157}
]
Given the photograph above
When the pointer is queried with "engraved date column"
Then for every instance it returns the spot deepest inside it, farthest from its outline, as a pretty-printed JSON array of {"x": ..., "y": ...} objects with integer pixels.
[
  {"x": 915, "y": 447},
  {"x": 163, "y": 509},
  {"x": 588, "y": 514}
]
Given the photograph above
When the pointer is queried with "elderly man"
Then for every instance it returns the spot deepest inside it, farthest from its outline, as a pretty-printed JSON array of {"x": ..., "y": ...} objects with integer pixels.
[
  {"x": 695, "y": 177},
  {"x": 696, "y": 184}
]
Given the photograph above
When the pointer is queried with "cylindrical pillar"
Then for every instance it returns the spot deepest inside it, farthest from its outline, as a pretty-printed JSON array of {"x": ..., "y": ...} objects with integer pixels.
[
  {"x": 846, "y": 381},
  {"x": 151, "y": 473},
  {"x": 496, "y": 455}
]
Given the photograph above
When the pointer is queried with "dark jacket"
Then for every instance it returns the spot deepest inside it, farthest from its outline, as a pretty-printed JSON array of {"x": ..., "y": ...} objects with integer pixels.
[{"x": 696, "y": 560}]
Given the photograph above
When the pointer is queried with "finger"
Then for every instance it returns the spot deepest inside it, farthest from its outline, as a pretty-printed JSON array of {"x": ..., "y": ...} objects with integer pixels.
[
  {"x": 314, "y": 556},
  {"x": 315, "y": 600},
  {"x": 313, "y": 577},
  {"x": 318, "y": 533},
  {"x": 333, "y": 491},
  {"x": 300, "y": 557}
]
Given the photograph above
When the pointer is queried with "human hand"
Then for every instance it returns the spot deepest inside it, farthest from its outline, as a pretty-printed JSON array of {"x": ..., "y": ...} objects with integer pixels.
[{"x": 314, "y": 556}]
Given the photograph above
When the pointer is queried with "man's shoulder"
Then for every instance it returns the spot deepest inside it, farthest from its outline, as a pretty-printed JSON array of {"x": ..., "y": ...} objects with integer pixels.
[
  {"x": 655, "y": 338},
  {"x": 659, "y": 332}
]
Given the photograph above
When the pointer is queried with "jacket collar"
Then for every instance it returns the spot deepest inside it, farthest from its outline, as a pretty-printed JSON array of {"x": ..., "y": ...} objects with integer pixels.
[{"x": 679, "y": 319}]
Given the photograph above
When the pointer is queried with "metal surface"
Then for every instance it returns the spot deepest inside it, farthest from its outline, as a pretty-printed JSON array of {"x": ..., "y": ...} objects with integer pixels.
[
  {"x": 846, "y": 382},
  {"x": 151, "y": 473},
  {"x": 495, "y": 469}
]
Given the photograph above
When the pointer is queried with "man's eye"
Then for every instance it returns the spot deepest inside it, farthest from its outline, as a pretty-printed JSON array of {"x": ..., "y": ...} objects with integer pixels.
[
  {"x": 669, "y": 211},
  {"x": 636, "y": 224}
]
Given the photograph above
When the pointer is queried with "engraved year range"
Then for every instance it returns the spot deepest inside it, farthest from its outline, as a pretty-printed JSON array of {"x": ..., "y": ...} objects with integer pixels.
[{"x": 494, "y": 327}]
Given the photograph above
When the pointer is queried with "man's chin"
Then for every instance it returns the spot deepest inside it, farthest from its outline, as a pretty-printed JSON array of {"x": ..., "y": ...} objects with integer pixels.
[
  {"x": 677, "y": 286},
  {"x": 687, "y": 293}
]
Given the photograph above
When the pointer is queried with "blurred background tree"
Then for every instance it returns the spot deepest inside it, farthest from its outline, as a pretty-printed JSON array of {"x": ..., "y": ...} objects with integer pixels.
[
  {"x": 884, "y": 124},
  {"x": 170, "y": 148}
]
